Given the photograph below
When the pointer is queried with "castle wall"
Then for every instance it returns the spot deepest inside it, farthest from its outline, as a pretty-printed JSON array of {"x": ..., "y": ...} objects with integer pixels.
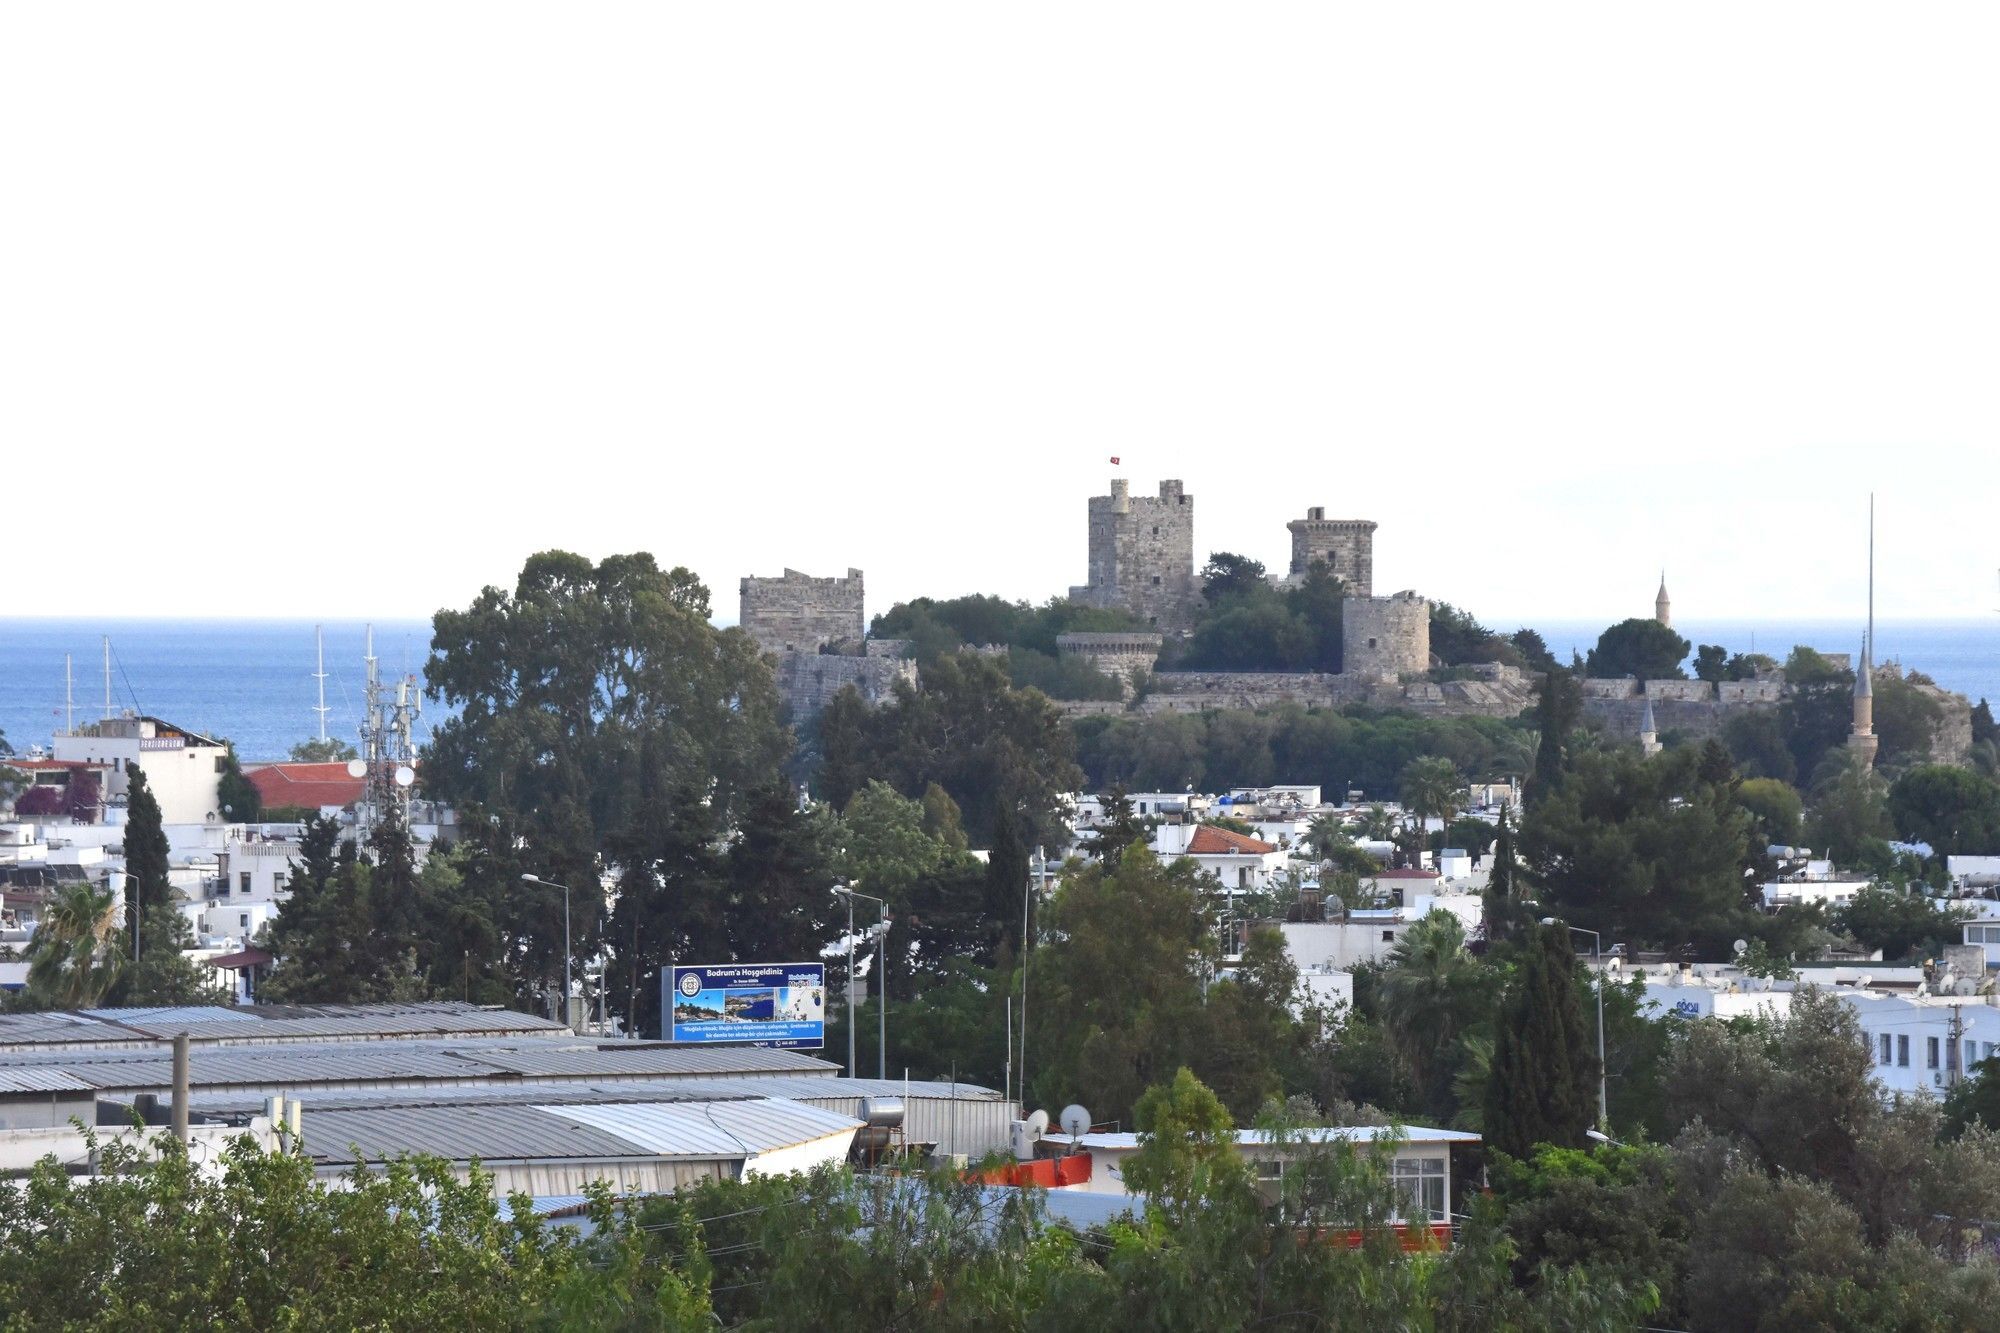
[
  {"x": 799, "y": 613},
  {"x": 807, "y": 682},
  {"x": 1347, "y": 546},
  {"x": 1385, "y": 638},
  {"x": 1142, "y": 555}
]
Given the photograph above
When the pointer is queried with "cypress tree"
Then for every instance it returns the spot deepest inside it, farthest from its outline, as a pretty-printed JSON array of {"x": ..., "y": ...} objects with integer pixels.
[
  {"x": 145, "y": 851},
  {"x": 1544, "y": 1069},
  {"x": 1558, "y": 705},
  {"x": 1499, "y": 898}
]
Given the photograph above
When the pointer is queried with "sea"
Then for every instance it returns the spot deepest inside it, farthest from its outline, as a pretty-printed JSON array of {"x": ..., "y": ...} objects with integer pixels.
[{"x": 252, "y": 681}]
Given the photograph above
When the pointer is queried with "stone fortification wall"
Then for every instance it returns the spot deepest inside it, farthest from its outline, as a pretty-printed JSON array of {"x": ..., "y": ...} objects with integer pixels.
[
  {"x": 1497, "y": 691},
  {"x": 1616, "y": 687},
  {"x": 1750, "y": 691},
  {"x": 801, "y": 614},
  {"x": 1346, "y": 545},
  {"x": 1701, "y": 718},
  {"x": 1693, "y": 691},
  {"x": 1142, "y": 555},
  {"x": 1118, "y": 656},
  {"x": 808, "y": 681},
  {"x": 1385, "y": 638}
]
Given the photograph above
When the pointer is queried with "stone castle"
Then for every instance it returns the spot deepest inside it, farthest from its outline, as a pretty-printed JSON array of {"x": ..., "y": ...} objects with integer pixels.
[
  {"x": 814, "y": 629},
  {"x": 1142, "y": 556}
]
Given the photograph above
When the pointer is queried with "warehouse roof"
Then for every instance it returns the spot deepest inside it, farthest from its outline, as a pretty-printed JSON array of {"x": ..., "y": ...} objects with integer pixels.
[
  {"x": 712, "y": 1131},
  {"x": 264, "y": 1023},
  {"x": 821, "y": 1091}
]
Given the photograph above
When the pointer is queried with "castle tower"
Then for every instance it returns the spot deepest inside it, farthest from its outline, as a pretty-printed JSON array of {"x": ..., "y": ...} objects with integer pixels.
[
  {"x": 797, "y": 613},
  {"x": 1649, "y": 733},
  {"x": 1142, "y": 556},
  {"x": 1346, "y": 545},
  {"x": 1385, "y": 638},
  {"x": 1663, "y": 608}
]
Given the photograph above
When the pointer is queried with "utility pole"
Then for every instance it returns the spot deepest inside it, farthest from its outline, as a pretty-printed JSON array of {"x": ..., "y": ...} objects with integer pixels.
[
  {"x": 1955, "y": 1066},
  {"x": 319, "y": 638}
]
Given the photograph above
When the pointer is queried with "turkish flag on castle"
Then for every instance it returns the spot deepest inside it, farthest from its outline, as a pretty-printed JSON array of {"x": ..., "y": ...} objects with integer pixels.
[{"x": 1114, "y": 460}]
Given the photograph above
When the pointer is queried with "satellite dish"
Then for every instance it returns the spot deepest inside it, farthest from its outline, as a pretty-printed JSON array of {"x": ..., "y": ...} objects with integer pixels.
[
  {"x": 405, "y": 775},
  {"x": 1038, "y": 1124},
  {"x": 356, "y": 769},
  {"x": 1075, "y": 1121},
  {"x": 1739, "y": 948}
]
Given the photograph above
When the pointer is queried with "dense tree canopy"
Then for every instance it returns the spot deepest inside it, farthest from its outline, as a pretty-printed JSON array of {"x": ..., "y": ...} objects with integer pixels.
[
  {"x": 1955, "y": 810},
  {"x": 1643, "y": 648}
]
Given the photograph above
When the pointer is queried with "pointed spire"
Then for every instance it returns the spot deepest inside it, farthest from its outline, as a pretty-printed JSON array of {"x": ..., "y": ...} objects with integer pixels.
[
  {"x": 1864, "y": 682},
  {"x": 1649, "y": 731},
  {"x": 1662, "y": 607},
  {"x": 1646, "y": 724}
]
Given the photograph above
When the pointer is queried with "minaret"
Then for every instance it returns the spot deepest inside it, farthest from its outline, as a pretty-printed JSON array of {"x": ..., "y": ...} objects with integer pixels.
[
  {"x": 1662, "y": 608},
  {"x": 1862, "y": 739},
  {"x": 1649, "y": 734}
]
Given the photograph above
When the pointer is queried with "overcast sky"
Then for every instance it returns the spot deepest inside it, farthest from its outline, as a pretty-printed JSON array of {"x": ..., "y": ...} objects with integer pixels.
[{"x": 343, "y": 310}]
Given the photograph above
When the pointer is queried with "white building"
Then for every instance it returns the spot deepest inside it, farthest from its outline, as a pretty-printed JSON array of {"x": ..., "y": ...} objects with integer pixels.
[
  {"x": 1419, "y": 1160},
  {"x": 1236, "y": 863},
  {"x": 182, "y": 768},
  {"x": 1817, "y": 882}
]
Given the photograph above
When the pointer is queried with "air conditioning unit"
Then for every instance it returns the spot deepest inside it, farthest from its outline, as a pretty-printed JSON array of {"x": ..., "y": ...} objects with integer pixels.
[{"x": 1937, "y": 1077}]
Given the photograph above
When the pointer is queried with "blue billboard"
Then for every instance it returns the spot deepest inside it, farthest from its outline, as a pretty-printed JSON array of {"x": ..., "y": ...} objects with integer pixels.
[{"x": 752, "y": 1004}]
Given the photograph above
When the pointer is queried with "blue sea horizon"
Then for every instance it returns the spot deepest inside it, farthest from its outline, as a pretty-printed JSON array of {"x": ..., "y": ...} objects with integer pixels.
[{"x": 252, "y": 680}]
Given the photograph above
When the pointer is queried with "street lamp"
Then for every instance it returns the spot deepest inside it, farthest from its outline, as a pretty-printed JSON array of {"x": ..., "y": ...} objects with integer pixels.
[
  {"x": 549, "y": 883},
  {"x": 1596, "y": 958},
  {"x": 137, "y": 921},
  {"x": 882, "y": 985}
]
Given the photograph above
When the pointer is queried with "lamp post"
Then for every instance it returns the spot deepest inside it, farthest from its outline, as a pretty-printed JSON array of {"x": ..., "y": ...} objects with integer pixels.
[
  {"x": 882, "y": 984},
  {"x": 549, "y": 883},
  {"x": 1596, "y": 958},
  {"x": 138, "y": 920}
]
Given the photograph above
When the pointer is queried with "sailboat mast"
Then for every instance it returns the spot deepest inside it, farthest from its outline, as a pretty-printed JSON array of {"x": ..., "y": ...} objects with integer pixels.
[
  {"x": 319, "y": 637},
  {"x": 69, "y": 696},
  {"x": 107, "y": 678},
  {"x": 1871, "y": 580}
]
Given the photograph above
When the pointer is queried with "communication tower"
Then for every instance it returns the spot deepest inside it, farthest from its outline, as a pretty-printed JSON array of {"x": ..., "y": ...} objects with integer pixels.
[{"x": 388, "y": 744}]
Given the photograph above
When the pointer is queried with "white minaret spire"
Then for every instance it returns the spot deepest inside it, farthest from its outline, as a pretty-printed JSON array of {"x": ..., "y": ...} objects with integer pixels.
[
  {"x": 1861, "y": 739},
  {"x": 1662, "y": 608}
]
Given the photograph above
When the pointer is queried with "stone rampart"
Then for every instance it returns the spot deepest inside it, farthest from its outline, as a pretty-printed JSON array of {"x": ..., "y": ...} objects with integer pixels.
[
  {"x": 1691, "y": 691},
  {"x": 1750, "y": 691},
  {"x": 1617, "y": 687},
  {"x": 807, "y": 682},
  {"x": 1119, "y": 656}
]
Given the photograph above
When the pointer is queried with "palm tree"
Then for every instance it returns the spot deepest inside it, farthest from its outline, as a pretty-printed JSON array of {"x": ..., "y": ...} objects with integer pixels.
[
  {"x": 1377, "y": 823},
  {"x": 71, "y": 963},
  {"x": 1326, "y": 833},
  {"x": 1432, "y": 788},
  {"x": 1430, "y": 994}
]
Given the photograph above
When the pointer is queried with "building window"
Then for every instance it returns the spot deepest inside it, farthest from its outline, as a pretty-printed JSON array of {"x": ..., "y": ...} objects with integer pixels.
[
  {"x": 1156, "y": 580},
  {"x": 243, "y": 920},
  {"x": 1885, "y": 1050},
  {"x": 1270, "y": 1169},
  {"x": 243, "y": 883},
  {"x": 1930, "y": 1052},
  {"x": 1371, "y": 643},
  {"x": 1420, "y": 1180},
  {"x": 1971, "y": 1055},
  {"x": 278, "y": 882},
  {"x": 218, "y": 762},
  {"x": 1156, "y": 529},
  {"x": 1388, "y": 937},
  {"x": 1903, "y": 1052}
]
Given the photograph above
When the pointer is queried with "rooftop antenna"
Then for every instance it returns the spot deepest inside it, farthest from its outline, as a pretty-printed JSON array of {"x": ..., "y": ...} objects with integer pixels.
[
  {"x": 1870, "y": 663},
  {"x": 319, "y": 637}
]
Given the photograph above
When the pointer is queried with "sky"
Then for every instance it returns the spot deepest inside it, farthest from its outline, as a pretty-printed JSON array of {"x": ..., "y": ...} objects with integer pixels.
[{"x": 327, "y": 311}]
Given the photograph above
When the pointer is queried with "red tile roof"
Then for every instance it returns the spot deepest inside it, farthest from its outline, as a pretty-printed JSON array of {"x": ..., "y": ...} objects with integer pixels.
[
  {"x": 1209, "y": 840},
  {"x": 309, "y": 785}
]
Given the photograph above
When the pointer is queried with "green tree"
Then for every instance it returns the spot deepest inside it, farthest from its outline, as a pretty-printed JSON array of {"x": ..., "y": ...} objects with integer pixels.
[
  {"x": 1711, "y": 662},
  {"x": 1777, "y": 808},
  {"x": 1848, "y": 818},
  {"x": 1431, "y": 994},
  {"x": 1543, "y": 1087},
  {"x": 1432, "y": 789},
  {"x": 1558, "y": 708},
  {"x": 1641, "y": 647},
  {"x": 581, "y": 701},
  {"x": 1953, "y": 809},
  {"x": 1186, "y": 1140},
  {"x": 1534, "y": 650},
  {"x": 1757, "y": 741},
  {"x": 73, "y": 957},
  {"x": 1118, "y": 828},
  {"x": 1660, "y": 853},
  {"x": 1227, "y": 575},
  {"x": 777, "y": 876},
  {"x": 1902, "y": 925},
  {"x": 236, "y": 794},
  {"x": 146, "y": 852},
  {"x": 323, "y": 750}
]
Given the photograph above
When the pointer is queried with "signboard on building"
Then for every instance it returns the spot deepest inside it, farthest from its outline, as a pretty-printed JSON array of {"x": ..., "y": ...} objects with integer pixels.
[{"x": 751, "y": 1004}]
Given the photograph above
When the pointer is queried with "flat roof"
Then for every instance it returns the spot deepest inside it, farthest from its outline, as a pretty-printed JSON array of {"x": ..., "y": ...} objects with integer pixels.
[
  {"x": 221, "y": 1023},
  {"x": 1251, "y": 1138}
]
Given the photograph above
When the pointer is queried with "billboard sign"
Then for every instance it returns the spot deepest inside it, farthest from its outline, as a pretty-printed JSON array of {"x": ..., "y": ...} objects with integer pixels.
[{"x": 749, "y": 1004}]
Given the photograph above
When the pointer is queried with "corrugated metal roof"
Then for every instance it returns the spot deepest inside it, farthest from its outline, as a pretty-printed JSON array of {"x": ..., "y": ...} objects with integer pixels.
[
  {"x": 41, "y": 1080},
  {"x": 711, "y": 1129},
  {"x": 458, "y": 1134},
  {"x": 185, "y": 1013},
  {"x": 613, "y": 1058}
]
